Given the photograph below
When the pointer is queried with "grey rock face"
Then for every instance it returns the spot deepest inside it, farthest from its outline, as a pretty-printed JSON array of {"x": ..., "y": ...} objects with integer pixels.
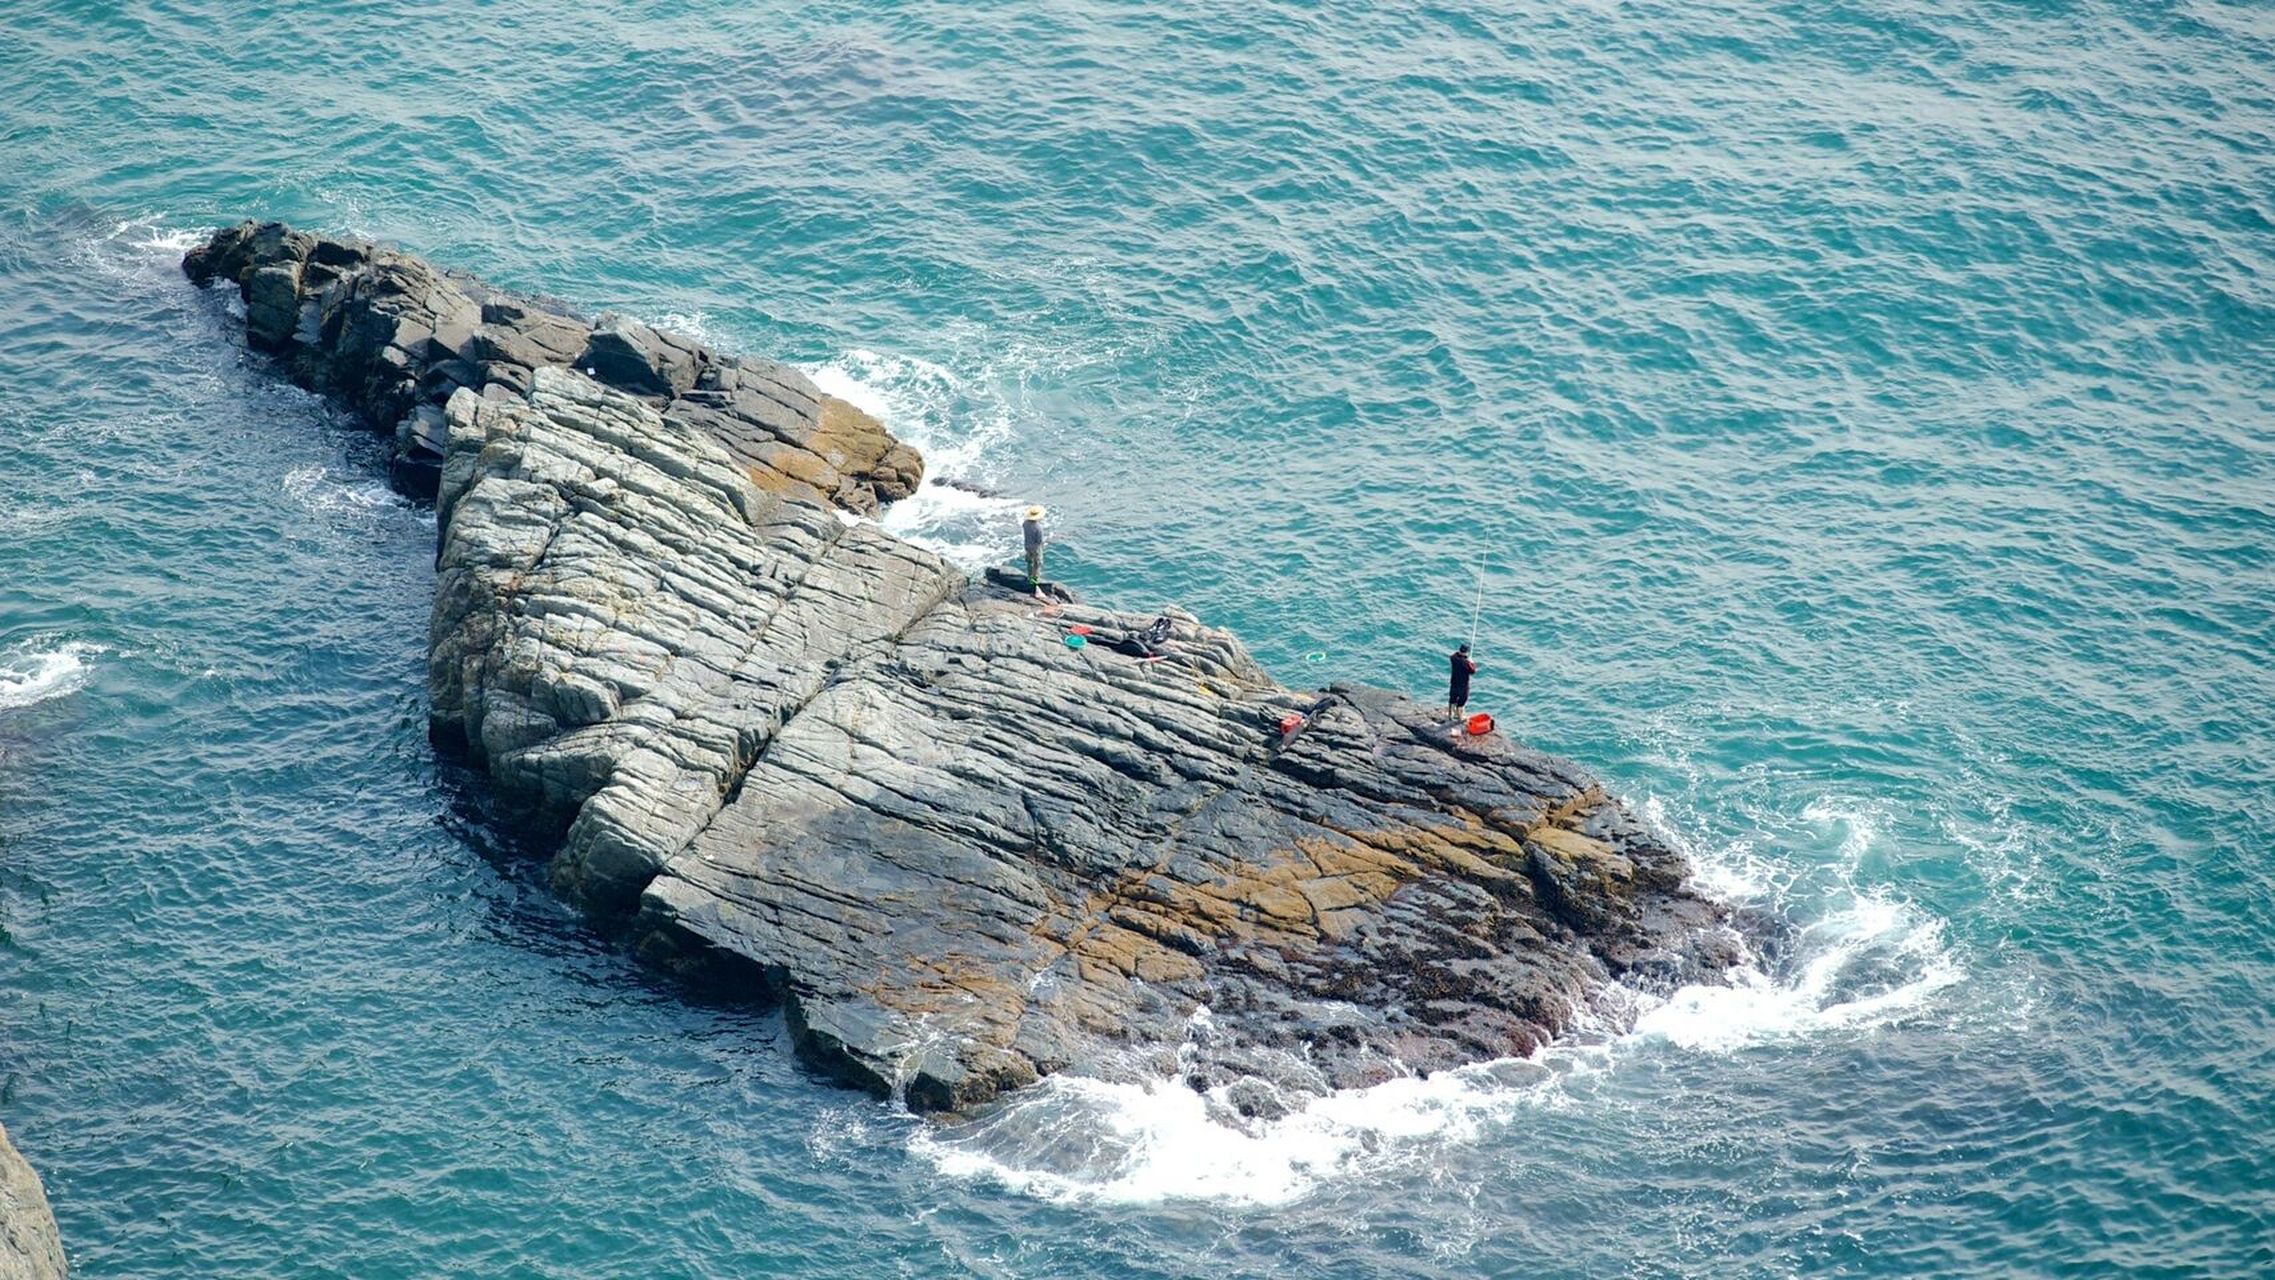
[
  {"x": 621, "y": 616},
  {"x": 393, "y": 339},
  {"x": 627, "y": 354},
  {"x": 962, "y": 851},
  {"x": 30, "y": 1249}
]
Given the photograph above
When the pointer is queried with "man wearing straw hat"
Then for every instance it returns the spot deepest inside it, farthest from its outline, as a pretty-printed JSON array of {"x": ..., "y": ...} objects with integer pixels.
[{"x": 1031, "y": 525}]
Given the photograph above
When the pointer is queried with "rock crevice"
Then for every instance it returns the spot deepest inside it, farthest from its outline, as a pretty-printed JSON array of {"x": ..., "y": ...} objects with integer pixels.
[{"x": 961, "y": 851}]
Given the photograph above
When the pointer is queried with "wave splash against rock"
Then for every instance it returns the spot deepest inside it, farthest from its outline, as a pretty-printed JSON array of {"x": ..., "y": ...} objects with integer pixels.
[{"x": 960, "y": 852}]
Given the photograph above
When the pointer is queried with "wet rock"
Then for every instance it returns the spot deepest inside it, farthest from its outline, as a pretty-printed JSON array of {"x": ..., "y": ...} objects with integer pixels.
[
  {"x": 963, "y": 852},
  {"x": 30, "y": 1248}
]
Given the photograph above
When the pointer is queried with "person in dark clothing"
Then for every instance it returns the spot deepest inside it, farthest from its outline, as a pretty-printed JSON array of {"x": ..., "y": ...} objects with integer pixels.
[
  {"x": 1457, "y": 692},
  {"x": 1031, "y": 527}
]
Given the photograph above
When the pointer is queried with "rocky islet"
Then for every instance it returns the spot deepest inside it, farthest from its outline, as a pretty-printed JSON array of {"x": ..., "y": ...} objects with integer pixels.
[{"x": 961, "y": 852}]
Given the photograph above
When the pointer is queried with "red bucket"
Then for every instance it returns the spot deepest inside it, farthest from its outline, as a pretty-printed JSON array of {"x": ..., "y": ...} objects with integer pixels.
[{"x": 1480, "y": 725}]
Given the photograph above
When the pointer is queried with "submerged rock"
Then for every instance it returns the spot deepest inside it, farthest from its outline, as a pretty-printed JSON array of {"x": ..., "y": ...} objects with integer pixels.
[
  {"x": 962, "y": 851},
  {"x": 30, "y": 1249}
]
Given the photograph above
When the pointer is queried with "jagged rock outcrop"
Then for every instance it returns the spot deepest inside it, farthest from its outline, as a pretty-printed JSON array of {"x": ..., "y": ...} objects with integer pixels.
[
  {"x": 394, "y": 338},
  {"x": 963, "y": 851},
  {"x": 30, "y": 1249}
]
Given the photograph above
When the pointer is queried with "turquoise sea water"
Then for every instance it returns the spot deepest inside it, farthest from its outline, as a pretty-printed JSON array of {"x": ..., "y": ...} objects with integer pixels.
[{"x": 1860, "y": 417}]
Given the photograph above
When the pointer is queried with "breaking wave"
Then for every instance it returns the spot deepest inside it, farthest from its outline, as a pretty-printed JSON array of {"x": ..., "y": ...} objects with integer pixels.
[
  {"x": 1082, "y": 1139},
  {"x": 1868, "y": 966},
  {"x": 137, "y": 249},
  {"x": 31, "y": 673},
  {"x": 957, "y": 512},
  {"x": 154, "y": 237},
  {"x": 1862, "y": 961},
  {"x": 316, "y": 489}
]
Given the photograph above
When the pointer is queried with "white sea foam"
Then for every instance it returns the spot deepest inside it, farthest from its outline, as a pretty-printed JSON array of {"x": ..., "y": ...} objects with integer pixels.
[
  {"x": 315, "y": 489},
  {"x": 172, "y": 242},
  {"x": 1870, "y": 965},
  {"x": 1861, "y": 959},
  {"x": 154, "y": 236},
  {"x": 1866, "y": 961},
  {"x": 1859, "y": 821},
  {"x": 1082, "y": 1139},
  {"x": 958, "y": 427},
  {"x": 140, "y": 248},
  {"x": 36, "y": 671},
  {"x": 693, "y": 324}
]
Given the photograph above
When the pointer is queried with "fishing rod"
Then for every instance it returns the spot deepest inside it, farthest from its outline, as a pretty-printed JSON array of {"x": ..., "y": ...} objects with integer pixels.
[{"x": 1477, "y": 610}]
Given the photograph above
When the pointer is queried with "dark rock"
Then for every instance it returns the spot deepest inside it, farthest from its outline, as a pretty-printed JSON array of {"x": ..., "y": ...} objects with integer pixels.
[
  {"x": 276, "y": 243},
  {"x": 446, "y": 376},
  {"x": 272, "y": 305},
  {"x": 390, "y": 336},
  {"x": 1016, "y": 584},
  {"x": 632, "y": 357},
  {"x": 340, "y": 255},
  {"x": 417, "y": 476},
  {"x": 513, "y": 378},
  {"x": 221, "y": 257}
]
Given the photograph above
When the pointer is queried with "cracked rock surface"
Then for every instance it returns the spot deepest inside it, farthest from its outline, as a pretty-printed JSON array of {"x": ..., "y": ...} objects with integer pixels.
[{"x": 962, "y": 852}]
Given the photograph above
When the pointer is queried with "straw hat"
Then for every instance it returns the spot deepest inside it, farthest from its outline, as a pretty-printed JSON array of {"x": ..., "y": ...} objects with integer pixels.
[{"x": 1032, "y": 513}]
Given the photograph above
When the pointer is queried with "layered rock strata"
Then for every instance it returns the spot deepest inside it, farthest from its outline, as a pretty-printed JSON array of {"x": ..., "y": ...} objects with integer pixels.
[
  {"x": 30, "y": 1249},
  {"x": 393, "y": 338},
  {"x": 961, "y": 850}
]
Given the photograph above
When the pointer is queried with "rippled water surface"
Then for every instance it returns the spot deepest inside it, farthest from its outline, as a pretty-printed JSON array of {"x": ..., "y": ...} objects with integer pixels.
[{"x": 1858, "y": 418}]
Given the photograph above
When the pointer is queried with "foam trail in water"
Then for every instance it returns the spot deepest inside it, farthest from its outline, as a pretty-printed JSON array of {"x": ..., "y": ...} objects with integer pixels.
[{"x": 31, "y": 673}]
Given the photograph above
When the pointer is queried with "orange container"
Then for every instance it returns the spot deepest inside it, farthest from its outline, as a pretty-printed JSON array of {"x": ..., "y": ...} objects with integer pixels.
[{"x": 1480, "y": 725}]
